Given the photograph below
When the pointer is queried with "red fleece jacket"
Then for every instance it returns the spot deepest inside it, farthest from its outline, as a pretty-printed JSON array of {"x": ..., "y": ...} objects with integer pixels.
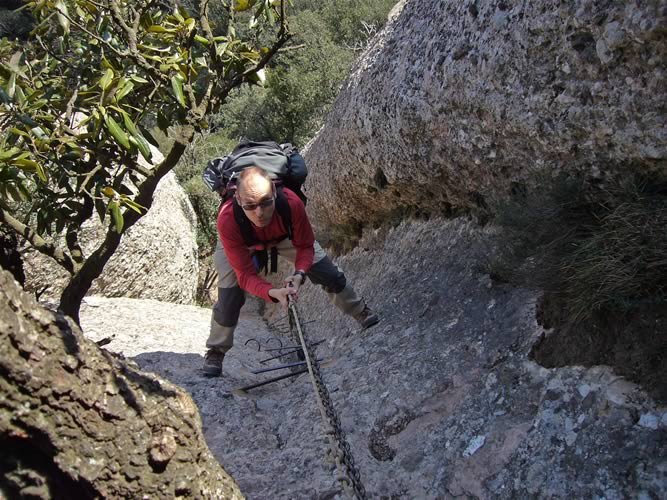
[{"x": 240, "y": 256}]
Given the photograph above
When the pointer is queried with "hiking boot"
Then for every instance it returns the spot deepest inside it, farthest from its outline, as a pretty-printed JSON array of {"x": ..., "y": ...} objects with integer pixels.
[
  {"x": 367, "y": 318},
  {"x": 213, "y": 363}
]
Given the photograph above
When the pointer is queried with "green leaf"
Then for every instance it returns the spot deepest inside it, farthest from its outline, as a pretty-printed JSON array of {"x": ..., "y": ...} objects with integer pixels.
[
  {"x": 71, "y": 156},
  {"x": 11, "y": 85},
  {"x": 156, "y": 28},
  {"x": 39, "y": 133},
  {"x": 221, "y": 48},
  {"x": 20, "y": 96},
  {"x": 125, "y": 87},
  {"x": 60, "y": 225},
  {"x": 11, "y": 153},
  {"x": 62, "y": 11},
  {"x": 136, "y": 137},
  {"x": 177, "y": 87},
  {"x": 25, "y": 164},
  {"x": 269, "y": 15},
  {"x": 149, "y": 137},
  {"x": 11, "y": 192},
  {"x": 41, "y": 174},
  {"x": 132, "y": 204},
  {"x": 116, "y": 216},
  {"x": 178, "y": 16},
  {"x": 201, "y": 40},
  {"x": 28, "y": 121},
  {"x": 241, "y": 5},
  {"x": 24, "y": 191},
  {"x": 106, "y": 80},
  {"x": 142, "y": 145},
  {"x": 129, "y": 124},
  {"x": 163, "y": 121},
  {"x": 30, "y": 166},
  {"x": 41, "y": 222},
  {"x": 100, "y": 208},
  {"x": 117, "y": 132},
  {"x": 138, "y": 79}
]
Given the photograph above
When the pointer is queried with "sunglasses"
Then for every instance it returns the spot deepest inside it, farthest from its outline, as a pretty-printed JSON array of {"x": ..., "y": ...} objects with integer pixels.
[{"x": 252, "y": 206}]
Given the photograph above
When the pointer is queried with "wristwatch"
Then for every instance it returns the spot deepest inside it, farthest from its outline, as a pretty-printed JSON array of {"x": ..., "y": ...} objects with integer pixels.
[{"x": 302, "y": 273}]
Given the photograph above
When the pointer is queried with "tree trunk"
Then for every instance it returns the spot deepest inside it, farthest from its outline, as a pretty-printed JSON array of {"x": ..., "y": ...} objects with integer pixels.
[
  {"x": 79, "y": 422},
  {"x": 82, "y": 280},
  {"x": 10, "y": 259}
]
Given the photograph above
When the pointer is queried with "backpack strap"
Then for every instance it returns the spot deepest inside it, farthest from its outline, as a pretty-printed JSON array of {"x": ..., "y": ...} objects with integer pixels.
[{"x": 284, "y": 211}]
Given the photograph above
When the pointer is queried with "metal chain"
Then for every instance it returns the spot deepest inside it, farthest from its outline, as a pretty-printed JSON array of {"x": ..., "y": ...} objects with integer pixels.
[{"x": 348, "y": 475}]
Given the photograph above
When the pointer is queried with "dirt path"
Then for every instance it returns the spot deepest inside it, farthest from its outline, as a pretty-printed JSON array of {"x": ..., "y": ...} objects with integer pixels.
[{"x": 439, "y": 400}]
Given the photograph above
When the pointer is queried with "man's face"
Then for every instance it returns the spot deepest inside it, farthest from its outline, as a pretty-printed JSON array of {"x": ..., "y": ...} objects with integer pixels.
[{"x": 257, "y": 198}]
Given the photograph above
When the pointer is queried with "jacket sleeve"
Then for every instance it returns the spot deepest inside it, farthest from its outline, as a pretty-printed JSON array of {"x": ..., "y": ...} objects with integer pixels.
[
  {"x": 303, "y": 238},
  {"x": 239, "y": 256}
]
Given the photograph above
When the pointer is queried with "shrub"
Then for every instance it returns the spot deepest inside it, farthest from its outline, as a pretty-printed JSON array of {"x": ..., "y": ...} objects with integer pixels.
[{"x": 596, "y": 247}]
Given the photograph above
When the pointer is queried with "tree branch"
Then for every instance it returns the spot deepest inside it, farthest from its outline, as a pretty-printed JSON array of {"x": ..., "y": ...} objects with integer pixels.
[
  {"x": 91, "y": 34},
  {"x": 131, "y": 35},
  {"x": 39, "y": 243},
  {"x": 293, "y": 47},
  {"x": 72, "y": 235},
  {"x": 70, "y": 299}
]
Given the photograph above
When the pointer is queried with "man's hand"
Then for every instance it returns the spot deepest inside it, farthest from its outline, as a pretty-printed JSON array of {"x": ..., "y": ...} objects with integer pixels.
[
  {"x": 295, "y": 280},
  {"x": 281, "y": 294}
]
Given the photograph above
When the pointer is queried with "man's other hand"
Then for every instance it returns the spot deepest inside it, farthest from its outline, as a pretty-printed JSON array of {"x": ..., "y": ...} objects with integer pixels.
[{"x": 281, "y": 294}]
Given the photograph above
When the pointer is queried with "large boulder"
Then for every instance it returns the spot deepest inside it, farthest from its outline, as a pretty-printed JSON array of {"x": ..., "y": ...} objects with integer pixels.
[
  {"x": 455, "y": 101},
  {"x": 78, "y": 422},
  {"x": 157, "y": 257}
]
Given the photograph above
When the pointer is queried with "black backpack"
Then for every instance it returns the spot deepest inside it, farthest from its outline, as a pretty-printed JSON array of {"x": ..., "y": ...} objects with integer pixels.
[{"x": 283, "y": 162}]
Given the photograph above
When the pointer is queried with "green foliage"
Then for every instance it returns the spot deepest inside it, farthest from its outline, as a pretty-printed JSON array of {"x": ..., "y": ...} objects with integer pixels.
[
  {"x": 306, "y": 79},
  {"x": 595, "y": 248},
  {"x": 204, "y": 201},
  {"x": 351, "y": 22},
  {"x": 75, "y": 99}
]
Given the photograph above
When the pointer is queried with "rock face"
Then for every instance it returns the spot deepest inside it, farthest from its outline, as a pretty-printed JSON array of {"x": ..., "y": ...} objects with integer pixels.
[
  {"x": 157, "y": 257},
  {"x": 439, "y": 400},
  {"x": 78, "y": 422},
  {"x": 455, "y": 101}
]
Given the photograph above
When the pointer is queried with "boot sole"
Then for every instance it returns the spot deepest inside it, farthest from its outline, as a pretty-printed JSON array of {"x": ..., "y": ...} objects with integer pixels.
[
  {"x": 211, "y": 371},
  {"x": 370, "y": 323}
]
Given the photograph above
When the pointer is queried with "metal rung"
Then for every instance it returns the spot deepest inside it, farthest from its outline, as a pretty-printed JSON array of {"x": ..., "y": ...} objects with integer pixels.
[
  {"x": 276, "y": 379},
  {"x": 273, "y": 368}
]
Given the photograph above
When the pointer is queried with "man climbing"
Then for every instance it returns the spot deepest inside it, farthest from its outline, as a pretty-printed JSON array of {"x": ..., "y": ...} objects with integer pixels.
[{"x": 255, "y": 212}]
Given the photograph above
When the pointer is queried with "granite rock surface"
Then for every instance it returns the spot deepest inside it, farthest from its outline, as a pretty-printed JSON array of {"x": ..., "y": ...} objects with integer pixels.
[
  {"x": 456, "y": 102},
  {"x": 439, "y": 400},
  {"x": 156, "y": 259},
  {"x": 79, "y": 422}
]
